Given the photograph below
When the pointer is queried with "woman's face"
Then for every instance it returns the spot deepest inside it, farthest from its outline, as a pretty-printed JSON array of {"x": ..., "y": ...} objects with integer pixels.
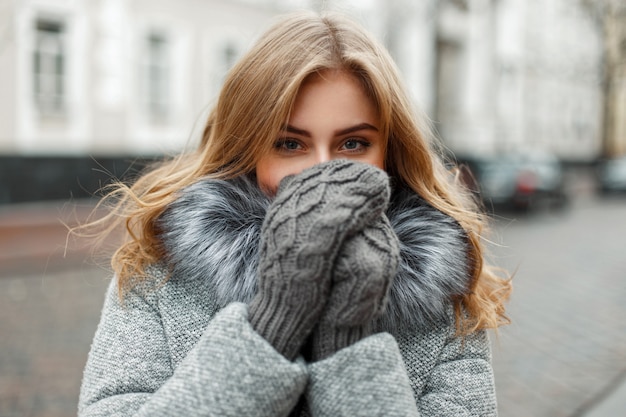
[{"x": 332, "y": 118}]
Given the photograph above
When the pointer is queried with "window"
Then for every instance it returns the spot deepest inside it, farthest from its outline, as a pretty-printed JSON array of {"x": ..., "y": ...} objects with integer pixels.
[
  {"x": 49, "y": 68},
  {"x": 157, "y": 77}
]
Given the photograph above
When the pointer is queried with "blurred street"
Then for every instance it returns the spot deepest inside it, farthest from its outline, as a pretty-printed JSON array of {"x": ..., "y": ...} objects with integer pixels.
[
  {"x": 565, "y": 352},
  {"x": 563, "y": 355}
]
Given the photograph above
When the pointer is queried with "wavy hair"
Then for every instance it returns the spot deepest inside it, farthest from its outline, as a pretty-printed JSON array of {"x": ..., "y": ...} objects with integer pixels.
[{"x": 253, "y": 105}]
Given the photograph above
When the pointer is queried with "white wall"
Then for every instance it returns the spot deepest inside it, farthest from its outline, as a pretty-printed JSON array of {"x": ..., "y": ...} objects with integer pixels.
[
  {"x": 520, "y": 72},
  {"x": 550, "y": 62},
  {"x": 106, "y": 44}
]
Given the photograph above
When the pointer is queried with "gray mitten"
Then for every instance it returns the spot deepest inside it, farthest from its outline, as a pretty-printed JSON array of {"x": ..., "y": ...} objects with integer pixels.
[
  {"x": 304, "y": 229},
  {"x": 363, "y": 273}
]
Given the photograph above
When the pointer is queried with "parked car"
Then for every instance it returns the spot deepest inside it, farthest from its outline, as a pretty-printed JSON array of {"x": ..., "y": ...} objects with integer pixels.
[
  {"x": 612, "y": 175},
  {"x": 520, "y": 181}
]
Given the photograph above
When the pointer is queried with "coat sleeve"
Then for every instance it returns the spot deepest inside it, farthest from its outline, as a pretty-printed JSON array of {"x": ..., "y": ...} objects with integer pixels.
[
  {"x": 461, "y": 383},
  {"x": 365, "y": 379},
  {"x": 231, "y": 371},
  {"x": 428, "y": 374}
]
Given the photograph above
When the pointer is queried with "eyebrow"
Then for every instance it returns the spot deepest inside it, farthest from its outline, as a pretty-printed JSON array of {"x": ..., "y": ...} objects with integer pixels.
[{"x": 346, "y": 131}]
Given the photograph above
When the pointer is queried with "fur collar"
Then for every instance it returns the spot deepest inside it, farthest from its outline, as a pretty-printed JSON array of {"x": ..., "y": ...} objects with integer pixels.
[{"x": 213, "y": 229}]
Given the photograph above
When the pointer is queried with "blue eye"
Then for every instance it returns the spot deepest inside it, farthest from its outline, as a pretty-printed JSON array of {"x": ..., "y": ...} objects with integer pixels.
[
  {"x": 291, "y": 144},
  {"x": 355, "y": 144},
  {"x": 287, "y": 145}
]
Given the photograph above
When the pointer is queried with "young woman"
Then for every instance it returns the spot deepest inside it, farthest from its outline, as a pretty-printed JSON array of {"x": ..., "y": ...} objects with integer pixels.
[{"x": 313, "y": 256}]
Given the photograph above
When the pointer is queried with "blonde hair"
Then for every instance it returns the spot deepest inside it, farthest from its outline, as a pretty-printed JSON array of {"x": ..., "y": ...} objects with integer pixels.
[{"x": 253, "y": 106}]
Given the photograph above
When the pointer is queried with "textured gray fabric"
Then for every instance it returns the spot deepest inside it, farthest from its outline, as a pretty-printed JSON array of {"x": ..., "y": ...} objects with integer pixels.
[
  {"x": 450, "y": 375},
  {"x": 304, "y": 229},
  {"x": 168, "y": 346},
  {"x": 213, "y": 230},
  {"x": 364, "y": 270},
  {"x": 373, "y": 385},
  {"x": 166, "y": 352},
  {"x": 159, "y": 355}
]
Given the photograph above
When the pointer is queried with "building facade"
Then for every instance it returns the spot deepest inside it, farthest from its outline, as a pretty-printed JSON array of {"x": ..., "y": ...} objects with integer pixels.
[
  {"x": 519, "y": 75},
  {"x": 116, "y": 76},
  {"x": 132, "y": 78}
]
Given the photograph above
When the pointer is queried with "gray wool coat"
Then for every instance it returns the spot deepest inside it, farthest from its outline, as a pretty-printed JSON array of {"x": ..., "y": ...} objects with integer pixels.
[{"x": 183, "y": 346}]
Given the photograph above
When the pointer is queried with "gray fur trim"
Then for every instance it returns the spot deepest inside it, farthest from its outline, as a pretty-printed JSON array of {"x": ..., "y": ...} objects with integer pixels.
[
  {"x": 213, "y": 229},
  {"x": 433, "y": 263}
]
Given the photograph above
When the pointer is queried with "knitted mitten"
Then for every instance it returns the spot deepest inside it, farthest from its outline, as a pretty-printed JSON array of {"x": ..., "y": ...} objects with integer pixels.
[
  {"x": 363, "y": 273},
  {"x": 304, "y": 229}
]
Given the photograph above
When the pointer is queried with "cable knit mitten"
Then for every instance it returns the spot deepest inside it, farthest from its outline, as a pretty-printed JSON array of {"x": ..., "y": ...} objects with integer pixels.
[
  {"x": 304, "y": 229},
  {"x": 364, "y": 271}
]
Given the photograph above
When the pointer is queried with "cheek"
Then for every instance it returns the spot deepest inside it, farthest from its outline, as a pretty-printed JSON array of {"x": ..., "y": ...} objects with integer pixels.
[
  {"x": 266, "y": 179},
  {"x": 378, "y": 161},
  {"x": 376, "y": 158},
  {"x": 269, "y": 173}
]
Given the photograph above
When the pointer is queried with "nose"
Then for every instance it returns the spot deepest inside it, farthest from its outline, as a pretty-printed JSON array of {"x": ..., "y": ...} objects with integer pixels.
[{"x": 322, "y": 155}]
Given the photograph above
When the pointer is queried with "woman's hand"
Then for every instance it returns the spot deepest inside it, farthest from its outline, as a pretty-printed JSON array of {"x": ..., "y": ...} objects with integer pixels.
[
  {"x": 305, "y": 228},
  {"x": 363, "y": 273}
]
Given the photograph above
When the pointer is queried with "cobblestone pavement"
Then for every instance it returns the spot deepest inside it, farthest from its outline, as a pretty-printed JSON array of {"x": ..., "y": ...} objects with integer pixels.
[
  {"x": 47, "y": 322},
  {"x": 50, "y": 302},
  {"x": 564, "y": 352}
]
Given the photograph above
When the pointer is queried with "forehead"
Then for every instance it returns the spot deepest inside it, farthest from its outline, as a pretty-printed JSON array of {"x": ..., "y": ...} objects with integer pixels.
[
  {"x": 334, "y": 94},
  {"x": 336, "y": 77}
]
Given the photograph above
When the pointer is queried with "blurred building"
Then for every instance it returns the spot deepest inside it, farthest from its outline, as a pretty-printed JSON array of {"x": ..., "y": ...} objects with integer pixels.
[
  {"x": 88, "y": 86},
  {"x": 499, "y": 76},
  {"x": 556, "y": 72},
  {"x": 115, "y": 76},
  {"x": 519, "y": 75},
  {"x": 108, "y": 81}
]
